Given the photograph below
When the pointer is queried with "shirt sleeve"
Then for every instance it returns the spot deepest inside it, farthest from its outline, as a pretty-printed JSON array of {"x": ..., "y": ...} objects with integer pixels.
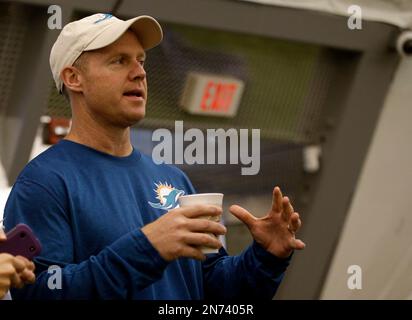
[
  {"x": 129, "y": 261},
  {"x": 254, "y": 274}
]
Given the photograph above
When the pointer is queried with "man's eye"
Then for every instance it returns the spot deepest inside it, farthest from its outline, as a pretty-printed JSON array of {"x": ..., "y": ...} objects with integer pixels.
[
  {"x": 118, "y": 61},
  {"x": 141, "y": 62}
]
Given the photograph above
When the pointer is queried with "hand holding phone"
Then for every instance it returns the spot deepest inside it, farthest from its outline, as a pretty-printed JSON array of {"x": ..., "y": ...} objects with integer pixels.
[{"x": 21, "y": 241}]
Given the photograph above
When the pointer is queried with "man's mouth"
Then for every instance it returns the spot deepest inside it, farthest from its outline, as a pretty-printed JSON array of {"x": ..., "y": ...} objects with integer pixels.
[{"x": 135, "y": 94}]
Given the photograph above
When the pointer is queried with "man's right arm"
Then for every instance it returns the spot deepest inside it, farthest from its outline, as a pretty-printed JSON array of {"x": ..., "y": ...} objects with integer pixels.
[{"x": 129, "y": 261}]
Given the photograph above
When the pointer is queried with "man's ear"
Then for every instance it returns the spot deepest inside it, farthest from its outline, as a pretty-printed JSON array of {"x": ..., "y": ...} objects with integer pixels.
[{"x": 72, "y": 78}]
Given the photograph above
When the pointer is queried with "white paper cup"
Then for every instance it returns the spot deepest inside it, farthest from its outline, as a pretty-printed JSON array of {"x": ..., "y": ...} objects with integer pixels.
[{"x": 204, "y": 198}]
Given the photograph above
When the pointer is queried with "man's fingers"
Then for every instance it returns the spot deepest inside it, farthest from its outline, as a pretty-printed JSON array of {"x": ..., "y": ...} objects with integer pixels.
[
  {"x": 16, "y": 281},
  {"x": 19, "y": 264},
  {"x": 202, "y": 239},
  {"x": 243, "y": 215},
  {"x": 290, "y": 207},
  {"x": 2, "y": 290},
  {"x": 295, "y": 222},
  {"x": 31, "y": 266},
  {"x": 298, "y": 244},
  {"x": 204, "y": 225},
  {"x": 193, "y": 252},
  {"x": 200, "y": 210},
  {"x": 277, "y": 200},
  {"x": 2, "y": 235},
  {"x": 28, "y": 264},
  {"x": 287, "y": 209},
  {"x": 27, "y": 276}
]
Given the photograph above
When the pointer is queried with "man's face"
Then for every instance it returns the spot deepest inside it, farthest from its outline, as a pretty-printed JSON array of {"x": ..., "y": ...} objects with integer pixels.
[{"x": 114, "y": 82}]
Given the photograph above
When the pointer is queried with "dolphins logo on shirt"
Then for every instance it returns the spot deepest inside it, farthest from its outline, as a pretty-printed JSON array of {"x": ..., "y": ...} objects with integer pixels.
[{"x": 167, "y": 196}]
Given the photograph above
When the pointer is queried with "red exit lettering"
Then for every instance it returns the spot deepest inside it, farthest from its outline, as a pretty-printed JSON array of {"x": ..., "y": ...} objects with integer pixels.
[{"x": 218, "y": 96}]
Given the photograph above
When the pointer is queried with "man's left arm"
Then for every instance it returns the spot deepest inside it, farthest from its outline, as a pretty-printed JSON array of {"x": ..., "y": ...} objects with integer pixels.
[
  {"x": 258, "y": 271},
  {"x": 254, "y": 274}
]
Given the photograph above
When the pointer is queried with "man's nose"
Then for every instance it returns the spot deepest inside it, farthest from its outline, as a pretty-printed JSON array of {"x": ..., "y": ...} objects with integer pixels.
[{"x": 138, "y": 72}]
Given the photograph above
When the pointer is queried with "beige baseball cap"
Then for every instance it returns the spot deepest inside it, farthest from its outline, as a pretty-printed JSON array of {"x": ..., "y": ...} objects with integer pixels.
[{"x": 97, "y": 31}]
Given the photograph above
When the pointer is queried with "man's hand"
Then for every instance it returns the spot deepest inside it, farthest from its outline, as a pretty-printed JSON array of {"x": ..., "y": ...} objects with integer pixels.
[
  {"x": 276, "y": 231},
  {"x": 14, "y": 271},
  {"x": 27, "y": 274},
  {"x": 2, "y": 234},
  {"x": 180, "y": 232}
]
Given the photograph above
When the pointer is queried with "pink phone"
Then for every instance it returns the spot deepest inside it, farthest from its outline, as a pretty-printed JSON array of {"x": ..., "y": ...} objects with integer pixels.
[{"x": 21, "y": 241}]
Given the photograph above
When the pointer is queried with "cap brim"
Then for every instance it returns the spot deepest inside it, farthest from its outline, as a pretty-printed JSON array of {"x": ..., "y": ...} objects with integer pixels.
[{"x": 147, "y": 29}]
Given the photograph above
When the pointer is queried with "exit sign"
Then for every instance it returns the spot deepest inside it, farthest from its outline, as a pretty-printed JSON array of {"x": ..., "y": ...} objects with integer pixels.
[{"x": 211, "y": 95}]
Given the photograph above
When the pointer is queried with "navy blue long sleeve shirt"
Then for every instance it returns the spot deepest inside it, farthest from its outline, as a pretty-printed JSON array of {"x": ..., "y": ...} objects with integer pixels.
[{"x": 87, "y": 208}]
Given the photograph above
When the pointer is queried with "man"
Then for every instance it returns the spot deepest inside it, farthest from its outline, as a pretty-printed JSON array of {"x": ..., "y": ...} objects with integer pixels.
[
  {"x": 14, "y": 271},
  {"x": 90, "y": 198}
]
